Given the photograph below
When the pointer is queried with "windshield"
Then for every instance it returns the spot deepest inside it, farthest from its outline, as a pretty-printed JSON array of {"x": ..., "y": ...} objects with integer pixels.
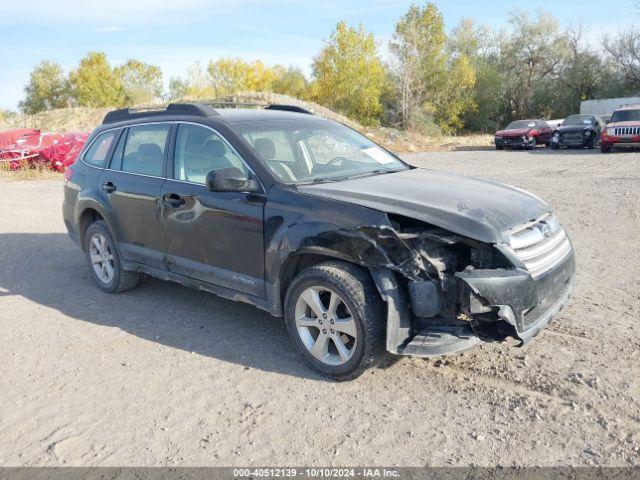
[
  {"x": 578, "y": 120},
  {"x": 320, "y": 151},
  {"x": 626, "y": 116},
  {"x": 521, "y": 124}
]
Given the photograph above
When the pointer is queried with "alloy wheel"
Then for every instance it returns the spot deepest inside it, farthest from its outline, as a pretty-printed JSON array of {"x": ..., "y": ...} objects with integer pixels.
[
  {"x": 101, "y": 257},
  {"x": 326, "y": 326}
]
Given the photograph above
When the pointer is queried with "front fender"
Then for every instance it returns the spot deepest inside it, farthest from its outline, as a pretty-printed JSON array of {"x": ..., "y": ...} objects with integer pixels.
[{"x": 300, "y": 224}]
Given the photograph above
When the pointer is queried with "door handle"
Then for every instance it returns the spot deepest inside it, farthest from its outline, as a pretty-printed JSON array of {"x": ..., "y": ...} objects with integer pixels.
[
  {"x": 172, "y": 200},
  {"x": 109, "y": 187}
]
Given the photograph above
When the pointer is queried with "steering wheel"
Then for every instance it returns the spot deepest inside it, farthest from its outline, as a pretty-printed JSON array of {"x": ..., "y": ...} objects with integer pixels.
[{"x": 337, "y": 159}]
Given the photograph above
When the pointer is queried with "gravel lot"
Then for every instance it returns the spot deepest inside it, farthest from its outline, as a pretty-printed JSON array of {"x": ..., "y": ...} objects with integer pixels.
[{"x": 164, "y": 375}]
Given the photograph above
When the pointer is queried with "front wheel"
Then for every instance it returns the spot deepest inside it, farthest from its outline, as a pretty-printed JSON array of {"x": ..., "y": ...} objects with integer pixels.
[{"x": 335, "y": 318}]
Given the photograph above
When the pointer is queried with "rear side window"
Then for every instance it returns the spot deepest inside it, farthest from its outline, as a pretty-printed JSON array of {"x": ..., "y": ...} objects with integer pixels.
[
  {"x": 144, "y": 149},
  {"x": 97, "y": 152}
]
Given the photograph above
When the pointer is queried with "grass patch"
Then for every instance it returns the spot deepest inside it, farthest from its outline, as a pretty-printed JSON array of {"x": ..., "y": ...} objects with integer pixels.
[{"x": 28, "y": 172}]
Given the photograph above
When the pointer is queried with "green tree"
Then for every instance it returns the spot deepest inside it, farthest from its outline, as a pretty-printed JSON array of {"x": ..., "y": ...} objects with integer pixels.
[
  {"x": 6, "y": 115},
  {"x": 624, "y": 50},
  {"x": 233, "y": 75},
  {"x": 479, "y": 44},
  {"x": 349, "y": 76},
  {"x": 533, "y": 50},
  {"x": 47, "y": 89},
  {"x": 198, "y": 85},
  {"x": 141, "y": 82},
  {"x": 457, "y": 97},
  {"x": 419, "y": 63},
  {"x": 290, "y": 81},
  {"x": 95, "y": 84},
  {"x": 177, "y": 89}
]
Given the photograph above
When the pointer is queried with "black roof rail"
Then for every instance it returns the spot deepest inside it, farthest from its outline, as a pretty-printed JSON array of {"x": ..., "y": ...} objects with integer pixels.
[
  {"x": 193, "y": 109},
  {"x": 231, "y": 104},
  {"x": 289, "y": 108}
]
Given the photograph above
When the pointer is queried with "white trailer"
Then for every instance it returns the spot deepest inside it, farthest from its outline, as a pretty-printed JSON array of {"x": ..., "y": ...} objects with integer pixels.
[{"x": 606, "y": 106}]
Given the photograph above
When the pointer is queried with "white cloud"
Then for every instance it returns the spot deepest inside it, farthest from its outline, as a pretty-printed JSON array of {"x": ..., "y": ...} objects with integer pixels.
[{"x": 109, "y": 29}]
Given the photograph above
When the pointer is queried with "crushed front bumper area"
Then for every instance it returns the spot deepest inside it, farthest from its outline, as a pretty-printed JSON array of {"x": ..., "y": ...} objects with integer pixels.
[
  {"x": 514, "y": 142},
  {"x": 496, "y": 304}
]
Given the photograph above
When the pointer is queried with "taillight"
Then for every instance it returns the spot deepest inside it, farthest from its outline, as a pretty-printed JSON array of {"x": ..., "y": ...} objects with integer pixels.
[
  {"x": 68, "y": 173},
  {"x": 533, "y": 133}
]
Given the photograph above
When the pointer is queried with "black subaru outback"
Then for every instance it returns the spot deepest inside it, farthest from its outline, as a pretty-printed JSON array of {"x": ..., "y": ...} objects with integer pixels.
[{"x": 307, "y": 219}]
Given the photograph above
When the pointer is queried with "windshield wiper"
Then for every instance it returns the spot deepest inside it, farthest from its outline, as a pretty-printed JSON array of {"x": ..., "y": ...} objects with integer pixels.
[
  {"x": 315, "y": 180},
  {"x": 379, "y": 171}
]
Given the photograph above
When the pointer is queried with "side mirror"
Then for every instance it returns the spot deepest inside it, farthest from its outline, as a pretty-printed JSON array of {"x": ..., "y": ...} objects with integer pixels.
[{"x": 230, "y": 180}]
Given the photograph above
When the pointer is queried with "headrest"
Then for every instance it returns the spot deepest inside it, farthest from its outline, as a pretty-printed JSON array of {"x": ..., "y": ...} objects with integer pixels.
[
  {"x": 265, "y": 148},
  {"x": 149, "y": 150},
  {"x": 215, "y": 148}
]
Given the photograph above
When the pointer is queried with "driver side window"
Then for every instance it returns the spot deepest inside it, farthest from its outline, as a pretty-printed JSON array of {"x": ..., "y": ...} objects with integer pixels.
[{"x": 199, "y": 151}]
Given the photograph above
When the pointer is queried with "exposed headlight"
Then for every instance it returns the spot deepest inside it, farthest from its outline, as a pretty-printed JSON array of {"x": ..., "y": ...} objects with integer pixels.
[
  {"x": 587, "y": 133},
  {"x": 611, "y": 131},
  {"x": 556, "y": 135}
]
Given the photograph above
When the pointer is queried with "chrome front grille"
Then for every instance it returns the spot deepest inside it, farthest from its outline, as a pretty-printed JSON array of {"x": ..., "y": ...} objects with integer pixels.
[
  {"x": 540, "y": 245},
  {"x": 627, "y": 131}
]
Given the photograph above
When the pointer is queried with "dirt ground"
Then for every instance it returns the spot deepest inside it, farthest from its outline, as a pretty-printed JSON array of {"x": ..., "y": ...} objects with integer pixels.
[{"x": 164, "y": 375}]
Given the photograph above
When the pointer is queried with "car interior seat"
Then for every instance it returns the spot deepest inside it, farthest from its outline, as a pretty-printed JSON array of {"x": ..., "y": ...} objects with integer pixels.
[{"x": 266, "y": 149}]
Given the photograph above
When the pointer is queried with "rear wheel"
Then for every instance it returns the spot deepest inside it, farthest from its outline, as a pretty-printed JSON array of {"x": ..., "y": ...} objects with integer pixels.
[
  {"x": 104, "y": 261},
  {"x": 335, "y": 318}
]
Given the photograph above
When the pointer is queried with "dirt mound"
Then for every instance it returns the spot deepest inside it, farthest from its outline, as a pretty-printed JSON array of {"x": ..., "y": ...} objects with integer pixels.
[{"x": 86, "y": 119}]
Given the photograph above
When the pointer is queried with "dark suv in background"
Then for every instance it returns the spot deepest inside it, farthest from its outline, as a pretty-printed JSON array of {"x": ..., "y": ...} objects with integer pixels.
[
  {"x": 578, "y": 131},
  {"x": 307, "y": 219}
]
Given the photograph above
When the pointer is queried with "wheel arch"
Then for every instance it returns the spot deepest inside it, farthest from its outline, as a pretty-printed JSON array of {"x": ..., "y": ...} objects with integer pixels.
[
  {"x": 298, "y": 261},
  {"x": 89, "y": 213}
]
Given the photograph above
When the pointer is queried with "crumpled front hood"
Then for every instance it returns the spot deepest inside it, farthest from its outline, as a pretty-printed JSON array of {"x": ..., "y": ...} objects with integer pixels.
[
  {"x": 478, "y": 209},
  {"x": 517, "y": 132}
]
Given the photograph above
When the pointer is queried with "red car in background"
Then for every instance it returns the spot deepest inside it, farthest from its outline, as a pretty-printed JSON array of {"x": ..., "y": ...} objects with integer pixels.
[
  {"x": 623, "y": 130},
  {"x": 524, "y": 134}
]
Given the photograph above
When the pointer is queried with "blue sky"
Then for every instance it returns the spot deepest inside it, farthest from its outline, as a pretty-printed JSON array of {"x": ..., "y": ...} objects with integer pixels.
[{"x": 176, "y": 33}]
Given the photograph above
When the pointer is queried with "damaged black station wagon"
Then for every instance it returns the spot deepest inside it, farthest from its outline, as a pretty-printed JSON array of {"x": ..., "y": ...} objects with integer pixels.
[{"x": 307, "y": 219}]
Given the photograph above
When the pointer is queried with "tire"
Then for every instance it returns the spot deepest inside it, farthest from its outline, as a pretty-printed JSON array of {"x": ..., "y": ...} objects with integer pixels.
[
  {"x": 357, "y": 299},
  {"x": 605, "y": 149},
  {"x": 104, "y": 261},
  {"x": 499, "y": 147},
  {"x": 591, "y": 144}
]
